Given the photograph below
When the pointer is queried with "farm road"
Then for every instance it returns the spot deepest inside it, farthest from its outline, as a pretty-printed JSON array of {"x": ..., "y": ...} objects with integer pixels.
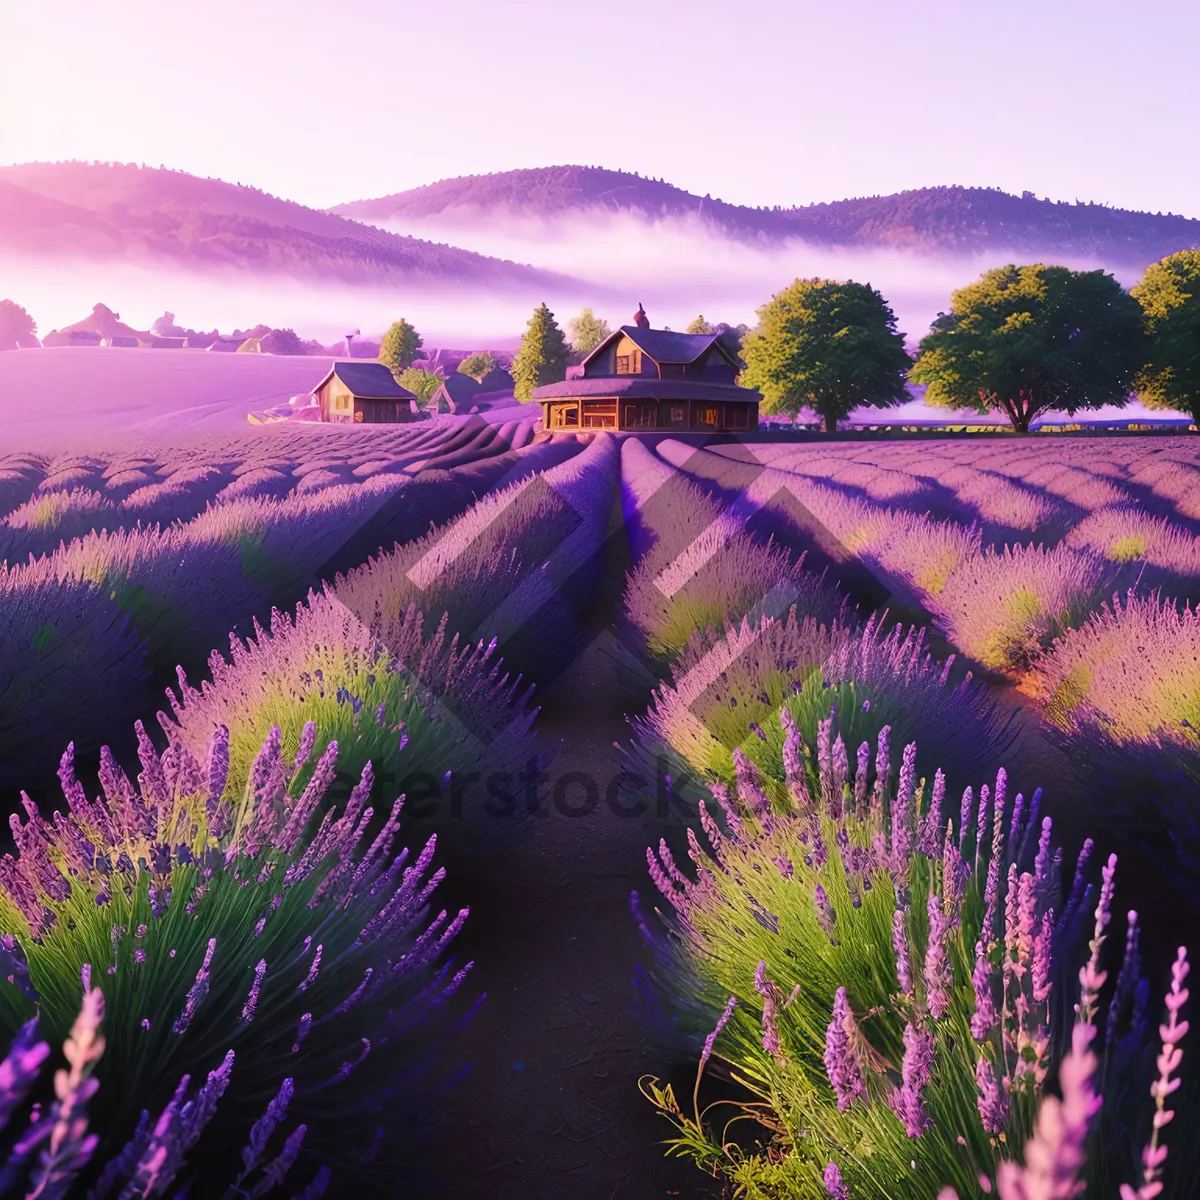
[{"x": 550, "y": 1109}]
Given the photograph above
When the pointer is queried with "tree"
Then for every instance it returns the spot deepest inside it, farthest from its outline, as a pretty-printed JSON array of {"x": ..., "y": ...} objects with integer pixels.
[
  {"x": 477, "y": 366},
  {"x": 16, "y": 326},
  {"x": 399, "y": 347},
  {"x": 283, "y": 341},
  {"x": 588, "y": 331},
  {"x": 1169, "y": 294},
  {"x": 1027, "y": 340},
  {"x": 732, "y": 337},
  {"x": 700, "y": 325},
  {"x": 542, "y": 357},
  {"x": 831, "y": 346},
  {"x": 422, "y": 384}
]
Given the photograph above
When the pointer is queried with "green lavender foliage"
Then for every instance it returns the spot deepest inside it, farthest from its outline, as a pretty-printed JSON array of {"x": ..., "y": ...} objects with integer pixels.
[
  {"x": 221, "y": 911},
  {"x": 755, "y": 927}
]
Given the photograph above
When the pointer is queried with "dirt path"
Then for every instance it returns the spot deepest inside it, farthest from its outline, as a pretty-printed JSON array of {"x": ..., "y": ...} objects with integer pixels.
[{"x": 550, "y": 1109}]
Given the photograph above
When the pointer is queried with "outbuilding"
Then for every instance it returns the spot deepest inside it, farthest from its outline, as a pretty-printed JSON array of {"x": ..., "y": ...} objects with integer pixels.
[{"x": 364, "y": 393}]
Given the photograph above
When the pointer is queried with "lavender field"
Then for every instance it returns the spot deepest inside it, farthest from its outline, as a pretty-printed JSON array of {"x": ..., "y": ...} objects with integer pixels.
[{"x": 357, "y": 772}]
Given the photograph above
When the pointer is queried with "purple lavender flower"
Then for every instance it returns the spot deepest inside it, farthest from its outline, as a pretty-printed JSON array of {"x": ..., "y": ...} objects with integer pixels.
[
  {"x": 1127, "y": 977},
  {"x": 841, "y": 1057},
  {"x": 770, "y": 1029},
  {"x": 20, "y": 1069},
  {"x": 197, "y": 992},
  {"x": 861, "y": 770},
  {"x": 915, "y": 1073},
  {"x": 1043, "y": 957},
  {"x": 837, "y": 1188},
  {"x": 260, "y": 1133},
  {"x": 711, "y": 1040},
  {"x": 983, "y": 1019},
  {"x": 993, "y": 1099},
  {"x": 251, "y": 1005},
  {"x": 903, "y": 958},
  {"x": 826, "y": 917},
  {"x": 937, "y": 960}
]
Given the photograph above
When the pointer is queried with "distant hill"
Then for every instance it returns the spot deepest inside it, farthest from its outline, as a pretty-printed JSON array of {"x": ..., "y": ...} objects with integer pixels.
[
  {"x": 945, "y": 220},
  {"x": 78, "y": 211}
]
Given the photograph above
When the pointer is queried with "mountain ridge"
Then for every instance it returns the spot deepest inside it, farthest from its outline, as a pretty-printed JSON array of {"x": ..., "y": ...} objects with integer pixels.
[
  {"x": 946, "y": 219},
  {"x": 114, "y": 210}
]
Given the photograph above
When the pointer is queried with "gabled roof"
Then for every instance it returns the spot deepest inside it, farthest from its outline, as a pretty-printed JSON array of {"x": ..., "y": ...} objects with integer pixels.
[
  {"x": 459, "y": 387},
  {"x": 367, "y": 381},
  {"x": 665, "y": 345}
]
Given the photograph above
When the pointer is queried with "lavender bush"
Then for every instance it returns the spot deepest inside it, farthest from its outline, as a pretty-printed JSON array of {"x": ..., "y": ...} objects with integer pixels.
[
  {"x": 228, "y": 925},
  {"x": 53, "y": 517},
  {"x": 1003, "y": 609},
  {"x": 727, "y": 695},
  {"x": 886, "y": 983},
  {"x": 417, "y": 705}
]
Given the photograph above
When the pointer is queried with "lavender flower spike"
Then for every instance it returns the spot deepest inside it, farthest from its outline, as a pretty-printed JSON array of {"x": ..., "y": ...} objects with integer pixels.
[
  {"x": 826, "y": 917},
  {"x": 261, "y": 1132},
  {"x": 20, "y": 1068},
  {"x": 903, "y": 957},
  {"x": 993, "y": 1099},
  {"x": 711, "y": 1040},
  {"x": 841, "y": 1058},
  {"x": 198, "y": 991},
  {"x": 767, "y": 990},
  {"x": 1091, "y": 978},
  {"x": 1169, "y": 1058},
  {"x": 834, "y": 1184},
  {"x": 937, "y": 960},
  {"x": 1055, "y": 1153},
  {"x": 984, "y": 1017}
]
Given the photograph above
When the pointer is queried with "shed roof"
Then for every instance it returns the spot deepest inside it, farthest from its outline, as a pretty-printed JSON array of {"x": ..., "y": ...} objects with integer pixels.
[
  {"x": 367, "y": 381},
  {"x": 664, "y": 345}
]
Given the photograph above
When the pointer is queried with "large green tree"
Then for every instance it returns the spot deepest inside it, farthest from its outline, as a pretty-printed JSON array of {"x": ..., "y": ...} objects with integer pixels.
[
  {"x": 422, "y": 384},
  {"x": 478, "y": 365},
  {"x": 16, "y": 326},
  {"x": 587, "y": 331},
  {"x": 829, "y": 346},
  {"x": 700, "y": 325},
  {"x": 399, "y": 347},
  {"x": 542, "y": 357},
  {"x": 1170, "y": 298},
  {"x": 1032, "y": 339}
]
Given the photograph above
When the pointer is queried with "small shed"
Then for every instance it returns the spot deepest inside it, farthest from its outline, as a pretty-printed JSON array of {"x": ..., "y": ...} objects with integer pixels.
[
  {"x": 364, "y": 393},
  {"x": 455, "y": 393}
]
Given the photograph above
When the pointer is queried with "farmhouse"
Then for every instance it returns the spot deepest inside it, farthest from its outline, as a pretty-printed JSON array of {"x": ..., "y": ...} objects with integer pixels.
[
  {"x": 641, "y": 379},
  {"x": 365, "y": 393}
]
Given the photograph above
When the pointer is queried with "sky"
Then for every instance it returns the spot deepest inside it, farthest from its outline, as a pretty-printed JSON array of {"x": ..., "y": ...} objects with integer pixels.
[{"x": 762, "y": 102}]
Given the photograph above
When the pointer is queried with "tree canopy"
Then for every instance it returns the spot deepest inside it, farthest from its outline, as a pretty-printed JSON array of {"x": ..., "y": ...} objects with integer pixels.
[
  {"x": 1028, "y": 340},
  {"x": 16, "y": 326},
  {"x": 700, "y": 325},
  {"x": 399, "y": 347},
  {"x": 1169, "y": 294},
  {"x": 421, "y": 383},
  {"x": 542, "y": 357},
  {"x": 587, "y": 331},
  {"x": 478, "y": 365},
  {"x": 829, "y": 346}
]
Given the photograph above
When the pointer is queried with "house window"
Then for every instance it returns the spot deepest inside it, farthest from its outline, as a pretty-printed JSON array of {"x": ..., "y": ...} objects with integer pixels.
[
  {"x": 737, "y": 416},
  {"x": 707, "y": 416},
  {"x": 563, "y": 416},
  {"x": 628, "y": 364},
  {"x": 641, "y": 416},
  {"x": 675, "y": 415}
]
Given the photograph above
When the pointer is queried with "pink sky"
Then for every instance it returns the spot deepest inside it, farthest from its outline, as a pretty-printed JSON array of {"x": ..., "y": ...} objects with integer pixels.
[{"x": 763, "y": 102}]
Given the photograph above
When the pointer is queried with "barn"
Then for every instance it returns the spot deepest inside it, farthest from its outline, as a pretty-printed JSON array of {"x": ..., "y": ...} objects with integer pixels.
[{"x": 364, "y": 393}]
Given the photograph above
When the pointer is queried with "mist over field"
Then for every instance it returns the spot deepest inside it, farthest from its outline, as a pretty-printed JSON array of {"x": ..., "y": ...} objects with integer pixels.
[{"x": 679, "y": 267}]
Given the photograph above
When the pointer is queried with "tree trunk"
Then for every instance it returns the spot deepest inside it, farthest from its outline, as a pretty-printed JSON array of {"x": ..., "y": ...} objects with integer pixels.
[
  {"x": 1196, "y": 415},
  {"x": 830, "y": 423}
]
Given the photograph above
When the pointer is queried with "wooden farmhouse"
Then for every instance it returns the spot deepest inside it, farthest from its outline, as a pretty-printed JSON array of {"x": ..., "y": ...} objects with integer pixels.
[
  {"x": 364, "y": 392},
  {"x": 640, "y": 379}
]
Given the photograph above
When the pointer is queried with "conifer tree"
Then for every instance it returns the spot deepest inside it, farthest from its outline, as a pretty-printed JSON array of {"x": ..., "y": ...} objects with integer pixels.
[
  {"x": 588, "y": 331},
  {"x": 542, "y": 357}
]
